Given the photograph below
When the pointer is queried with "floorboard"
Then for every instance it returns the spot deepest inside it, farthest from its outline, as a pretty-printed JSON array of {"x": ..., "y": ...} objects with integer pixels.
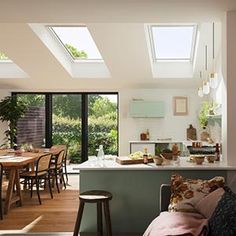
[{"x": 54, "y": 215}]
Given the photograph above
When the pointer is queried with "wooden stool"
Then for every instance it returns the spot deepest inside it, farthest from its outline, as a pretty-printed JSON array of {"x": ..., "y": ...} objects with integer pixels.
[{"x": 99, "y": 197}]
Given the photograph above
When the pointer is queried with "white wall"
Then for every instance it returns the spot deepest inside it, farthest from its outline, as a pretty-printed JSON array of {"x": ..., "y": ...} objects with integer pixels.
[
  {"x": 168, "y": 127},
  {"x": 229, "y": 131},
  {"x": 3, "y": 126},
  {"x": 231, "y": 85}
]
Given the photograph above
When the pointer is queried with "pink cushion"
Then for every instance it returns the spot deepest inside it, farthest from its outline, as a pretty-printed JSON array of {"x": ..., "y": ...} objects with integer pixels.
[
  {"x": 186, "y": 193},
  {"x": 207, "y": 205}
]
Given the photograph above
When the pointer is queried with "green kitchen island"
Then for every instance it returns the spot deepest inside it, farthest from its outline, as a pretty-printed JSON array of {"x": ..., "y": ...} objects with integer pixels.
[{"x": 136, "y": 189}]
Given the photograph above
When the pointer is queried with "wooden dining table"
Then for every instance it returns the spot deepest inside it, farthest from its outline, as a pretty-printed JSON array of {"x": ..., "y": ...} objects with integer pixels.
[{"x": 13, "y": 164}]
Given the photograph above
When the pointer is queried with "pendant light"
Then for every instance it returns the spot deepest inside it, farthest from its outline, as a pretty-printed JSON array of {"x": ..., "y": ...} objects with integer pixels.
[
  {"x": 200, "y": 91},
  {"x": 213, "y": 75},
  {"x": 206, "y": 87}
]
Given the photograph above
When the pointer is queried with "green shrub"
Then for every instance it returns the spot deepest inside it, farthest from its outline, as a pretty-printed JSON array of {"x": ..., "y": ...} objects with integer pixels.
[{"x": 102, "y": 130}]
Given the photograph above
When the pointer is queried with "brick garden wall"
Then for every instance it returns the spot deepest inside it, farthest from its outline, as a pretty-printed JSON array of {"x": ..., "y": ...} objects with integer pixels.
[{"x": 31, "y": 128}]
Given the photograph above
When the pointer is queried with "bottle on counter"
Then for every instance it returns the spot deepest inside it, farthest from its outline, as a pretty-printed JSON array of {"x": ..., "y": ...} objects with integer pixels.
[
  {"x": 217, "y": 152},
  {"x": 147, "y": 135},
  {"x": 175, "y": 151},
  {"x": 145, "y": 156},
  {"x": 100, "y": 155}
]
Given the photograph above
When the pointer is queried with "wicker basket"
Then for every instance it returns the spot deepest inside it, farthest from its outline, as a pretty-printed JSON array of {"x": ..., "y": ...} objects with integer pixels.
[
  {"x": 170, "y": 155},
  {"x": 167, "y": 155}
]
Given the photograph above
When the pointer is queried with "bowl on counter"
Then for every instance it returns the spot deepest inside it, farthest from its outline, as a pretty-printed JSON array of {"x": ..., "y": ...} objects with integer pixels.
[
  {"x": 211, "y": 158},
  {"x": 198, "y": 159},
  {"x": 158, "y": 160}
]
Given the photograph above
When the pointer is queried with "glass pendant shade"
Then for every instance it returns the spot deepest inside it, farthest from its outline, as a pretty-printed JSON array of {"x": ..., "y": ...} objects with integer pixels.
[
  {"x": 200, "y": 92},
  {"x": 206, "y": 87},
  {"x": 213, "y": 80}
]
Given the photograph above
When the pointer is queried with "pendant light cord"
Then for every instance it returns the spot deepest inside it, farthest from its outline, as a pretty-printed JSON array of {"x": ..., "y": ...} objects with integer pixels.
[
  {"x": 206, "y": 58},
  {"x": 213, "y": 40}
]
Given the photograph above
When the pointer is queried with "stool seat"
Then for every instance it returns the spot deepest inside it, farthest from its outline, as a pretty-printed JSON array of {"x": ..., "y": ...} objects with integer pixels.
[
  {"x": 95, "y": 196},
  {"x": 100, "y": 197}
]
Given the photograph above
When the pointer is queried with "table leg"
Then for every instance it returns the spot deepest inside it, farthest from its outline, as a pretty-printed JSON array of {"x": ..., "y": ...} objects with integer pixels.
[
  {"x": 18, "y": 189},
  {"x": 12, "y": 174},
  {"x": 14, "y": 179}
]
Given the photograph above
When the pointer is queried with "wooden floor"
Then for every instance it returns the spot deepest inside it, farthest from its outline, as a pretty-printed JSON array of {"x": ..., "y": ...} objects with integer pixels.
[{"x": 54, "y": 215}]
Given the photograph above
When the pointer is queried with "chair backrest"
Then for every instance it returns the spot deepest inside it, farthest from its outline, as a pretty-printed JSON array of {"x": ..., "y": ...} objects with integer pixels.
[
  {"x": 165, "y": 193},
  {"x": 1, "y": 176},
  {"x": 43, "y": 163},
  {"x": 60, "y": 158},
  {"x": 58, "y": 147}
]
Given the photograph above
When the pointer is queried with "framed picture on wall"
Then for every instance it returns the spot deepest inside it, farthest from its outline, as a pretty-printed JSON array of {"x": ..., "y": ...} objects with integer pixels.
[{"x": 180, "y": 106}]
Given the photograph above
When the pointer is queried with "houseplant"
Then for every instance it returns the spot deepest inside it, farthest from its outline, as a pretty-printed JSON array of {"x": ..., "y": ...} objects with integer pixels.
[
  {"x": 11, "y": 110},
  {"x": 207, "y": 108}
]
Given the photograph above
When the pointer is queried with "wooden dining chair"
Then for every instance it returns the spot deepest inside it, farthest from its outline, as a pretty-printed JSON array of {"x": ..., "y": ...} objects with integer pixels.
[
  {"x": 1, "y": 177},
  {"x": 56, "y": 169},
  {"x": 60, "y": 147},
  {"x": 64, "y": 165},
  {"x": 41, "y": 172}
]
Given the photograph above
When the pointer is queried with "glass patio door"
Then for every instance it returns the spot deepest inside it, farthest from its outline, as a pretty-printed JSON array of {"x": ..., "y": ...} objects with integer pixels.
[
  {"x": 66, "y": 124},
  {"x": 82, "y": 121},
  {"x": 103, "y": 123}
]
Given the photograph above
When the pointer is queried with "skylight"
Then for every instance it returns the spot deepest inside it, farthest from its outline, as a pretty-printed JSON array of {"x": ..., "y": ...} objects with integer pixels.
[
  {"x": 3, "y": 57},
  {"x": 173, "y": 42},
  {"x": 77, "y": 41}
]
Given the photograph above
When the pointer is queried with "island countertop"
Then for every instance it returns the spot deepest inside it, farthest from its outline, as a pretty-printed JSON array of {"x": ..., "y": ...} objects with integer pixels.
[
  {"x": 136, "y": 189},
  {"x": 183, "y": 164}
]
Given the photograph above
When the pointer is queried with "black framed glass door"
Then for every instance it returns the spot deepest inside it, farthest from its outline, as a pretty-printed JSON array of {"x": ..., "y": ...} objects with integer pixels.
[{"x": 80, "y": 120}]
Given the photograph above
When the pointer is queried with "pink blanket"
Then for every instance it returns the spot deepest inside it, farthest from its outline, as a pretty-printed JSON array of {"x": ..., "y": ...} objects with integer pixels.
[{"x": 178, "y": 223}]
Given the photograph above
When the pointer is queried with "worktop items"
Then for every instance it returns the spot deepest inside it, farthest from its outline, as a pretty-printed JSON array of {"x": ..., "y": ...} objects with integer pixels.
[
  {"x": 191, "y": 133},
  {"x": 199, "y": 159},
  {"x": 217, "y": 152},
  {"x": 145, "y": 156},
  {"x": 211, "y": 158},
  {"x": 145, "y": 135},
  {"x": 205, "y": 136},
  {"x": 129, "y": 161},
  {"x": 204, "y": 150},
  {"x": 100, "y": 155},
  {"x": 175, "y": 149},
  {"x": 158, "y": 160}
]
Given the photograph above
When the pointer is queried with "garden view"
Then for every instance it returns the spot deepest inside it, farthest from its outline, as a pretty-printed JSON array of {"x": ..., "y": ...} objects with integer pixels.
[{"x": 67, "y": 121}]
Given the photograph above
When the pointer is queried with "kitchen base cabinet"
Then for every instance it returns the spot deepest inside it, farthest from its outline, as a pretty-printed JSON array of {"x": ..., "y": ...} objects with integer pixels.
[{"x": 135, "y": 201}]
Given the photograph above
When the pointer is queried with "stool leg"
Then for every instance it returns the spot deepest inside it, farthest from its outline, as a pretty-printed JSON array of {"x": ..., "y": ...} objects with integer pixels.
[
  {"x": 99, "y": 218},
  {"x": 78, "y": 219},
  {"x": 107, "y": 218}
]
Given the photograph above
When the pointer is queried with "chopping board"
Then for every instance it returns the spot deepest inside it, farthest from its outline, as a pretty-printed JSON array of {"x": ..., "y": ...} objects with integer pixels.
[
  {"x": 191, "y": 133},
  {"x": 128, "y": 161}
]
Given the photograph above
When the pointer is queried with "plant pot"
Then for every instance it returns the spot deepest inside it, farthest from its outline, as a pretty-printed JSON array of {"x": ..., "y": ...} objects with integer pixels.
[{"x": 205, "y": 135}]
